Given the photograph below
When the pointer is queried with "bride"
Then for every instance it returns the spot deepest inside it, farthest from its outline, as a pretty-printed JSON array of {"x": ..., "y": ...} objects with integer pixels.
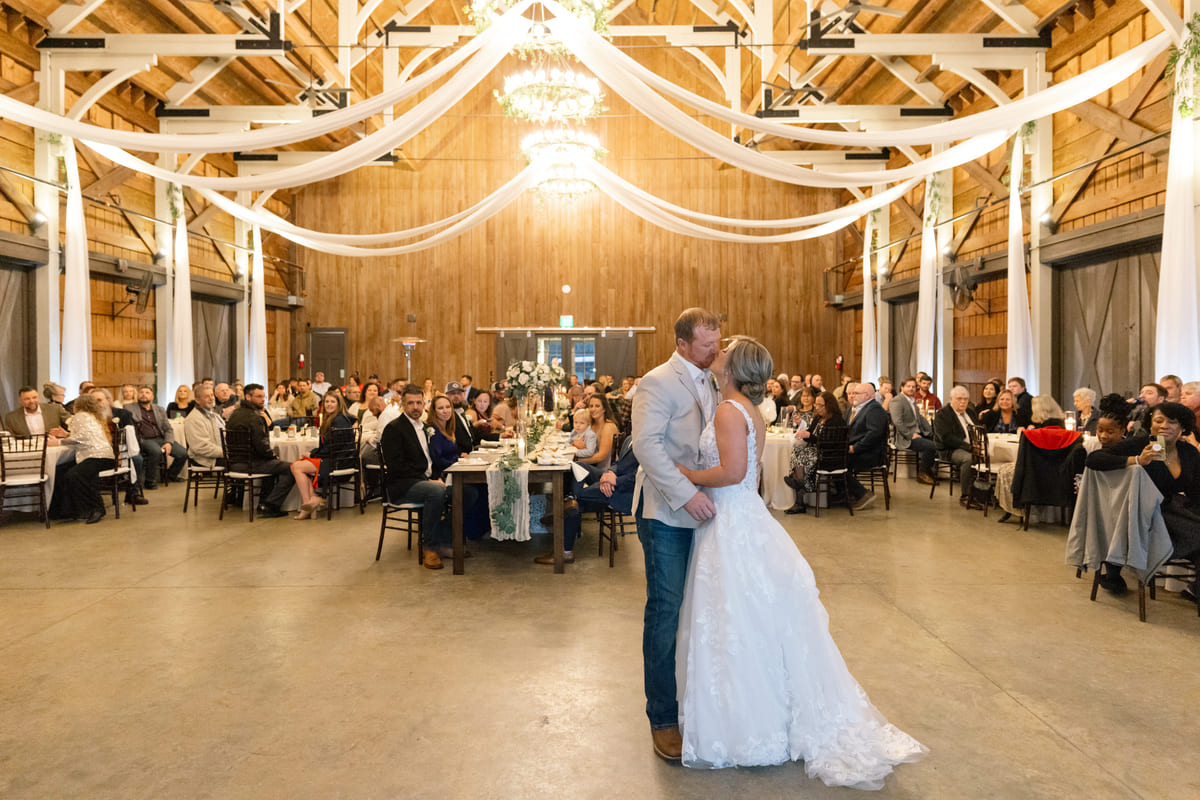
[{"x": 760, "y": 680}]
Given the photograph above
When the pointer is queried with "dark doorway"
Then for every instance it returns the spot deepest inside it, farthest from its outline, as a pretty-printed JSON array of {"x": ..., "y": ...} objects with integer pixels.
[{"x": 327, "y": 351}]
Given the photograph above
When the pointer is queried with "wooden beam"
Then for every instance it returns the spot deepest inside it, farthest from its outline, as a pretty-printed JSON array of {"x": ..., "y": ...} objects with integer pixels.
[
  {"x": 1121, "y": 127},
  {"x": 909, "y": 213},
  {"x": 22, "y": 204},
  {"x": 985, "y": 178}
]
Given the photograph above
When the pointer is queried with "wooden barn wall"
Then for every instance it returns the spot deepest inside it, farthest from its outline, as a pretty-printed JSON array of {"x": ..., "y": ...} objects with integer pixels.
[
  {"x": 124, "y": 346},
  {"x": 510, "y": 270},
  {"x": 1132, "y": 182}
]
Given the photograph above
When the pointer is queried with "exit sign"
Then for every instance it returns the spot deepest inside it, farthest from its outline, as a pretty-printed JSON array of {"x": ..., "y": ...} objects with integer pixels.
[{"x": 566, "y": 321}]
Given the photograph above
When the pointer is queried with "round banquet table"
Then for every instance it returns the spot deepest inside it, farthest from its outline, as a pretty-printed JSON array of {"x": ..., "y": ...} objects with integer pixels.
[
  {"x": 777, "y": 453},
  {"x": 1002, "y": 447}
]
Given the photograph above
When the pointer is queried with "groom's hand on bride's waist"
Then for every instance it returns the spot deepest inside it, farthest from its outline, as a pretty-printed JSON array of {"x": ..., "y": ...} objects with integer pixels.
[{"x": 700, "y": 507}]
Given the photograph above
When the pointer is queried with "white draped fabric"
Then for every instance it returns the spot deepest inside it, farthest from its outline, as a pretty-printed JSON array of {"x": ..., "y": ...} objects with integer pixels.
[
  {"x": 927, "y": 282},
  {"x": 76, "y": 362},
  {"x": 1176, "y": 331},
  {"x": 1020, "y": 326},
  {"x": 256, "y": 347},
  {"x": 181, "y": 370},
  {"x": 870, "y": 346}
]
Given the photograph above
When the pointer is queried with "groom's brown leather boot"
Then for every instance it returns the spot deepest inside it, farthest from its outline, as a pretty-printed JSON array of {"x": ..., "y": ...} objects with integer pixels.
[{"x": 668, "y": 744}]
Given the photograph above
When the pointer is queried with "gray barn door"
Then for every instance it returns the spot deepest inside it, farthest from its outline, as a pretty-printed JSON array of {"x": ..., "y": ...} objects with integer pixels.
[
  {"x": 213, "y": 341},
  {"x": 16, "y": 368},
  {"x": 904, "y": 331},
  {"x": 1104, "y": 326},
  {"x": 327, "y": 348}
]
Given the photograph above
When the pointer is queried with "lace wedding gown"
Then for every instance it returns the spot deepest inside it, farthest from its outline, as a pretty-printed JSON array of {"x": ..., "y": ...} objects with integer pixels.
[{"x": 759, "y": 677}]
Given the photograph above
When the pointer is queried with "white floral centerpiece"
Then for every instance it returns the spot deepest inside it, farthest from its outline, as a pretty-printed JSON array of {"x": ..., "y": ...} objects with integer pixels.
[{"x": 530, "y": 378}]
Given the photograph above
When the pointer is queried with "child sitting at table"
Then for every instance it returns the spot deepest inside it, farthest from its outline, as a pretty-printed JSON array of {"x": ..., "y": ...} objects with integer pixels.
[{"x": 584, "y": 440}]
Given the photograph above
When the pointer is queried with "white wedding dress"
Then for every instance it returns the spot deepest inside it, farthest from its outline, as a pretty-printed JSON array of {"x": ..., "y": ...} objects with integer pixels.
[{"x": 759, "y": 677}]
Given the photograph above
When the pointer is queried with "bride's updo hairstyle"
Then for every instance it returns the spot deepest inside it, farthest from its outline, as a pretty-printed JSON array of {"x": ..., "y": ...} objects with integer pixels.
[{"x": 749, "y": 366}]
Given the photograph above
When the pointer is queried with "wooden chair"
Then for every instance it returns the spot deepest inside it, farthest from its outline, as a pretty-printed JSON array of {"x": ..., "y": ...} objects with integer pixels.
[
  {"x": 981, "y": 464},
  {"x": 239, "y": 450},
  {"x": 121, "y": 473},
  {"x": 612, "y": 525},
  {"x": 23, "y": 473},
  {"x": 908, "y": 456},
  {"x": 833, "y": 458},
  {"x": 1187, "y": 572},
  {"x": 949, "y": 469},
  {"x": 881, "y": 472},
  {"x": 198, "y": 477},
  {"x": 401, "y": 517},
  {"x": 342, "y": 448},
  {"x": 1047, "y": 476}
]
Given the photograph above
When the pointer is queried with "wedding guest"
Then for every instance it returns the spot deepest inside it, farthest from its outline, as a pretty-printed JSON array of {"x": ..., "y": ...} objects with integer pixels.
[
  {"x": 483, "y": 427},
  {"x": 280, "y": 398},
  {"x": 913, "y": 431},
  {"x": 951, "y": 435},
  {"x": 427, "y": 390},
  {"x": 239, "y": 388},
  {"x": 767, "y": 409},
  {"x": 584, "y": 438},
  {"x": 1005, "y": 417},
  {"x": 1086, "y": 418},
  {"x": 987, "y": 396},
  {"x": 868, "y": 440},
  {"x": 1175, "y": 471},
  {"x": 32, "y": 418},
  {"x": 124, "y": 418},
  {"x": 504, "y": 410},
  {"x": 472, "y": 391},
  {"x": 54, "y": 394},
  {"x": 443, "y": 444},
  {"x": 311, "y": 472},
  {"x": 884, "y": 394},
  {"x": 202, "y": 430},
  {"x": 1023, "y": 399},
  {"x": 795, "y": 385},
  {"x": 183, "y": 403},
  {"x": 250, "y": 417},
  {"x": 304, "y": 405},
  {"x": 817, "y": 382},
  {"x": 778, "y": 396},
  {"x": 405, "y": 446},
  {"x": 319, "y": 384},
  {"x": 821, "y": 416},
  {"x": 1190, "y": 397},
  {"x": 605, "y": 428},
  {"x": 926, "y": 399},
  {"x": 127, "y": 396},
  {"x": 93, "y": 455},
  {"x": 1174, "y": 386},
  {"x": 156, "y": 438},
  {"x": 85, "y": 387},
  {"x": 353, "y": 395},
  {"x": 1047, "y": 413},
  {"x": 1150, "y": 396},
  {"x": 369, "y": 391}
]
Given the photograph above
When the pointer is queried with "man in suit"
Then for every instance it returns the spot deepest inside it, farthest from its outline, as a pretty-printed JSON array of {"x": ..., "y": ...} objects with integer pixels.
[
  {"x": 34, "y": 417},
  {"x": 471, "y": 391},
  {"x": 156, "y": 438},
  {"x": 951, "y": 435},
  {"x": 674, "y": 403},
  {"x": 868, "y": 439},
  {"x": 457, "y": 395},
  {"x": 913, "y": 431},
  {"x": 794, "y": 387},
  {"x": 405, "y": 448},
  {"x": 249, "y": 416}
]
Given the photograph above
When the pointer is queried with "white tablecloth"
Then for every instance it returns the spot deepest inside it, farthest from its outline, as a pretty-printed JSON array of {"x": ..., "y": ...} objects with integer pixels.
[
  {"x": 1003, "y": 450},
  {"x": 777, "y": 453}
]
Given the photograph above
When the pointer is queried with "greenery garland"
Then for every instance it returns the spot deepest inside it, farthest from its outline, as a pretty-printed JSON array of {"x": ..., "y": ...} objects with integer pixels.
[
  {"x": 536, "y": 430},
  {"x": 502, "y": 514},
  {"x": 1183, "y": 65}
]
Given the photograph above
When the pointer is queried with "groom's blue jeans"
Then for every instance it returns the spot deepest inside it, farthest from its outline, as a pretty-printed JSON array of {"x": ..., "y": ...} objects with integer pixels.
[{"x": 667, "y": 550}]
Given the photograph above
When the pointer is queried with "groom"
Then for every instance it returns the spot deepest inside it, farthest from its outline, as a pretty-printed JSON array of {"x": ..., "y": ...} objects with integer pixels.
[{"x": 673, "y": 404}]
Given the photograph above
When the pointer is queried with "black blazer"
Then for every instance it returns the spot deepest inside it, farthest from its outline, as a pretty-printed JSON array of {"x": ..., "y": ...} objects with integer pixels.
[
  {"x": 406, "y": 461},
  {"x": 868, "y": 434},
  {"x": 948, "y": 435},
  {"x": 991, "y": 419}
]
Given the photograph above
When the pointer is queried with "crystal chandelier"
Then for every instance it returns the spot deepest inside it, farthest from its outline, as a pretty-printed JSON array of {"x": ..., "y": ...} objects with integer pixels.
[
  {"x": 561, "y": 145},
  {"x": 564, "y": 181},
  {"x": 554, "y": 95}
]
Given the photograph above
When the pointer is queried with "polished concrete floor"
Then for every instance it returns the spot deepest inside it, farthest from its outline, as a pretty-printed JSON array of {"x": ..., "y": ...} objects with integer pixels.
[{"x": 168, "y": 655}]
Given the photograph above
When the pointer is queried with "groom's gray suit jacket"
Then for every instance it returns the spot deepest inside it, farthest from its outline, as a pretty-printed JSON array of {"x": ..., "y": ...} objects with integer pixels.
[{"x": 667, "y": 421}]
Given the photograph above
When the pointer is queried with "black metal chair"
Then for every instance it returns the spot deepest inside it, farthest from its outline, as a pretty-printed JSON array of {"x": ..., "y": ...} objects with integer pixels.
[
  {"x": 908, "y": 455},
  {"x": 981, "y": 465},
  {"x": 1185, "y": 570},
  {"x": 612, "y": 525},
  {"x": 23, "y": 473},
  {"x": 400, "y": 517},
  {"x": 342, "y": 448},
  {"x": 943, "y": 467},
  {"x": 238, "y": 447},
  {"x": 201, "y": 477},
  {"x": 121, "y": 475},
  {"x": 833, "y": 459}
]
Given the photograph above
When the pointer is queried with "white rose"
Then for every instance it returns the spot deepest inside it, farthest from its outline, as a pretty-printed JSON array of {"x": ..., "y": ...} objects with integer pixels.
[{"x": 524, "y": 379}]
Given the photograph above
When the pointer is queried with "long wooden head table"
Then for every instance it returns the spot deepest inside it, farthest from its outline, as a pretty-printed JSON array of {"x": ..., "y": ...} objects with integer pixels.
[{"x": 475, "y": 470}]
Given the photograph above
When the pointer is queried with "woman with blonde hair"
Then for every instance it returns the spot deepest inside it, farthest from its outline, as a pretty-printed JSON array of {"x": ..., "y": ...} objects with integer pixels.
[{"x": 183, "y": 403}]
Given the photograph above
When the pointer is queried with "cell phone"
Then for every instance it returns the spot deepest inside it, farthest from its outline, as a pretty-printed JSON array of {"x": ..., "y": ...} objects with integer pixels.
[{"x": 1161, "y": 454}]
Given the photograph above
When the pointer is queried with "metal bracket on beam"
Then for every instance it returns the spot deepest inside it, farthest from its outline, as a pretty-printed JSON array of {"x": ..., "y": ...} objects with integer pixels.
[{"x": 915, "y": 44}]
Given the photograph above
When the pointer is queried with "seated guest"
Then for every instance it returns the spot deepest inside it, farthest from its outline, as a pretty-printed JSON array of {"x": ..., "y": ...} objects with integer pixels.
[
  {"x": 926, "y": 399},
  {"x": 1111, "y": 422},
  {"x": 1046, "y": 413},
  {"x": 1190, "y": 397},
  {"x": 445, "y": 446},
  {"x": 317, "y": 463},
  {"x": 1174, "y": 386},
  {"x": 202, "y": 430},
  {"x": 612, "y": 489},
  {"x": 457, "y": 396},
  {"x": 93, "y": 454},
  {"x": 778, "y": 396},
  {"x": 605, "y": 428},
  {"x": 483, "y": 427},
  {"x": 353, "y": 396},
  {"x": 428, "y": 392},
  {"x": 1005, "y": 417},
  {"x": 280, "y": 398},
  {"x": 156, "y": 438},
  {"x": 951, "y": 435},
  {"x": 304, "y": 405},
  {"x": 124, "y": 418},
  {"x": 868, "y": 440},
  {"x": 33, "y": 418},
  {"x": 823, "y": 415},
  {"x": 227, "y": 401},
  {"x": 183, "y": 403},
  {"x": 795, "y": 384},
  {"x": 988, "y": 396},
  {"x": 319, "y": 385},
  {"x": 127, "y": 396},
  {"x": 251, "y": 417},
  {"x": 913, "y": 431},
  {"x": 1086, "y": 417},
  {"x": 85, "y": 387},
  {"x": 1151, "y": 395},
  {"x": 584, "y": 438},
  {"x": 55, "y": 395},
  {"x": 369, "y": 390},
  {"x": 239, "y": 389},
  {"x": 1023, "y": 398},
  {"x": 1175, "y": 470},
  {"x": 885, "y": 393},
  {"x": 405, "y": 446}
]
